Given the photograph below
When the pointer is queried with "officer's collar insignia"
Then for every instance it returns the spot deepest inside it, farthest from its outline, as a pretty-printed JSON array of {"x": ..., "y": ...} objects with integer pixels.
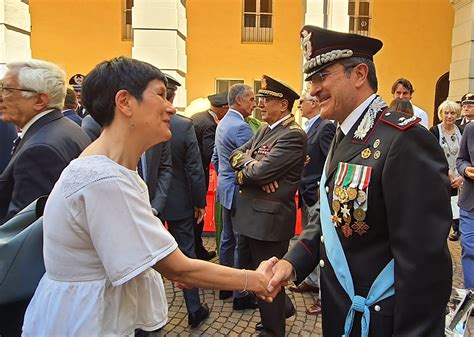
[
  {"x": 368, "y": 121},
  {"x": 288, "y": 121}
]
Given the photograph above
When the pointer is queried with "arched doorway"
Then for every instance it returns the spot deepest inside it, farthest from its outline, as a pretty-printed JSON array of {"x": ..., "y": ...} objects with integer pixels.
[{"x": 441, "y": 94}]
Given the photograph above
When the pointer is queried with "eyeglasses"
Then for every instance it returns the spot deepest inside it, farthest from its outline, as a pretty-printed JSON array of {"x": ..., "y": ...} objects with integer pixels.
[
  {"x": 319, "y": 78},
  {"x": 3, "y": 89}
]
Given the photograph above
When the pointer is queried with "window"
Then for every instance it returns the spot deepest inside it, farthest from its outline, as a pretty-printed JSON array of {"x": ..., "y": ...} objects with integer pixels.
[
  {"x": 257, "y": 21},
  {"x": 257, "y": 113},
  {"x": 223, "y": 85},
  {"x": 127, "y": 32},
  {"x": 359, "y": 16}
]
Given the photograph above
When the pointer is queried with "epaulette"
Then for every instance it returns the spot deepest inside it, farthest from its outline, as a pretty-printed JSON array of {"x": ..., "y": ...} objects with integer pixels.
[
  {"x": 400, "y": 120},
  {"x": 288, "y": 121},
  {"x": 295, "y": 126}
]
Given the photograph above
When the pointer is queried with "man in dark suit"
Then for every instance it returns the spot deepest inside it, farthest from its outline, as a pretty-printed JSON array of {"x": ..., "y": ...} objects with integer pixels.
[
  {"x": 385, "y": 204},
  {"x": 186, "y": 202},
  {"x": 205, "y": 124},
  {"x": 7, "y": 137},
  {"x": 70, "y": 105},
  {"x": 268, "y": 169},
  {"x": 465, "y": 166},
  {"x": 32, "y": 95},
  {"x": 320, "y": 133}
]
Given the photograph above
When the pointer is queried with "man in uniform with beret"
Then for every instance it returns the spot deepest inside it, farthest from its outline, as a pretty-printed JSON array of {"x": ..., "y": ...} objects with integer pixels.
[
  {"x": 268, "y": 169},
  {"x": 467, "y": 104},
  {"x": 385, "y": 204},
  {"x": 205, "y": 124}
]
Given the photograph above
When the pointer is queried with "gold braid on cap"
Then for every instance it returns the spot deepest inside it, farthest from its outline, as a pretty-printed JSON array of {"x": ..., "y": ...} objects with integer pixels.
[
  {"x": 271, "y": 93},
  {"x": 321, "y": 59}
]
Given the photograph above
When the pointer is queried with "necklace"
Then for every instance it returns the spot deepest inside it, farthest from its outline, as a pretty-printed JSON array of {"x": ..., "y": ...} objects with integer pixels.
[{"x": 451, "y": 142}]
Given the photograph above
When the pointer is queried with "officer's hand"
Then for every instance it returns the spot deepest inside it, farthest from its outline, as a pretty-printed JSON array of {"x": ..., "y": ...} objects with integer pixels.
[
  {"x": 469, "y": 171},
  {"x": 266, "y": 270},
  {"x": 282, "y": 273},
  {"x": 199, "y": 214},
  {"x": 457, "y": 182},
  {"x": 271, "y": 187}
]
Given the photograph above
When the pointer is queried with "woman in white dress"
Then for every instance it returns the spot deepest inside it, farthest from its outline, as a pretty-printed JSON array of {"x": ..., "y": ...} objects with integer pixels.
[{"x": 104, "y": 250}]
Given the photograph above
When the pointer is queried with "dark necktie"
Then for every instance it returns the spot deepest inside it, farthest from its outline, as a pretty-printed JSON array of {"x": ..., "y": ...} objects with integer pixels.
[
  {"x": 140, "y": 168},
  {"x": 15, "y": 144}
]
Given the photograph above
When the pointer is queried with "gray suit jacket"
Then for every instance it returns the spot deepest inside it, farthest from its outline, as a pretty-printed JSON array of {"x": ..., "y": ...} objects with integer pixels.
[
  {"x": 279, "y": 155},
  {"x": 466, "y": 159}
]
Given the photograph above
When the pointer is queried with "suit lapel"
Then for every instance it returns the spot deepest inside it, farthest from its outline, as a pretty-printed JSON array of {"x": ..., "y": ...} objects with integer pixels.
[{"x": 312, "y": 130}]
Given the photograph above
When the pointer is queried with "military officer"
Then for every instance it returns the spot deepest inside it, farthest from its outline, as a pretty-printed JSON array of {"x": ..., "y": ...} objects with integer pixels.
[
  {"x": 385, "y": 204},
  {"x": 268, "y": 169}
]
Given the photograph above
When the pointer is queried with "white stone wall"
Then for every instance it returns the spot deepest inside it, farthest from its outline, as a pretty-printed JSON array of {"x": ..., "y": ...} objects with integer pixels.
[
  {"x": 15, "y": 29},
  {"x": 159, "y": 37},
  {"x": 461, "y": 72}
]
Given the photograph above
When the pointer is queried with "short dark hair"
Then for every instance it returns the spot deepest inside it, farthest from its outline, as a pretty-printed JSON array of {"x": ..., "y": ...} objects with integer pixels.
[
  {"x": 351, "y": 62},
  {"x": 70, "y": 101},
  {"x": 406, "y": 83},
  {"x": 108, "y": 77},
  {"x": 399, "y": 104}
]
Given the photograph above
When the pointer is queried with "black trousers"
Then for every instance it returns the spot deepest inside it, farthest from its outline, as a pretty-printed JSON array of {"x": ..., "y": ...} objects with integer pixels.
[
  {"x": 11, "y": 318},
  {"x": 272, "y": 314},
  {"x": 201, "y": 252}
]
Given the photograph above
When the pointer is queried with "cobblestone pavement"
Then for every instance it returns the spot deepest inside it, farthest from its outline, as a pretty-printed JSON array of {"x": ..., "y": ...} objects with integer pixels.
[{"x": 223, "y": 321}]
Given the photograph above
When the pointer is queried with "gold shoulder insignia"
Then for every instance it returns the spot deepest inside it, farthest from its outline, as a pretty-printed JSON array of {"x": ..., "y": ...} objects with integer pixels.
[
  {"x": 295, "y": 126},
  {"x": 399, "y": 120},
  {"x": 288, "y": 121},
  {"x": 240, "y": 178},
  {"x": 236, "y": 159}
]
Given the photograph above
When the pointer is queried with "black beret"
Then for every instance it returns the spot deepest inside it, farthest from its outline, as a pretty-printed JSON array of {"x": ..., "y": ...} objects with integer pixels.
[
  {"x": 467, "y": 98},
  {"x": 76, "y": 81},
  {"x": 322, "y": 47},
  {"x": 218, "y": 100},
  {"x": 173, "y": 83},
  {"x": 274, "y": 88}
]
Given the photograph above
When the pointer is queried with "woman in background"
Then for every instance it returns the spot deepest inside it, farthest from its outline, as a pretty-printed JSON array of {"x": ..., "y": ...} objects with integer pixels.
[{"x": 449, "y": 138}]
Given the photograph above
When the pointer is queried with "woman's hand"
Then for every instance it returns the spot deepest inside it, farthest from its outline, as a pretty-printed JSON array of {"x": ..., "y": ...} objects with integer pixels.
[{"x": 265, "y": 273}]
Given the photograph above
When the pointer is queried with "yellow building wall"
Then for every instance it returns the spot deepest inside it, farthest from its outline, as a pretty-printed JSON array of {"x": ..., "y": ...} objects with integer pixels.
[
  {"x": 77, "y": 34},
  {"x": 214, "y": 47},
  {"x": 417, "y": 45}
]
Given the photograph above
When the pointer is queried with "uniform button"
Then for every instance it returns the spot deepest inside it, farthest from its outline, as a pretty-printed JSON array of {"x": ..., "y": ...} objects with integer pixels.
[
  {"x": 240, "y": 191},
  {"x": 321, "y": 263},
  {"x": 327, "y": 189},
  {"x": 322, "y": 239},
  {"x": 377, "y": 308}
]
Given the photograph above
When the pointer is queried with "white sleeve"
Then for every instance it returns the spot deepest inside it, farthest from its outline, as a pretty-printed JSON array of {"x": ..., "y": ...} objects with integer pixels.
[{"x": 127, "y": 236}]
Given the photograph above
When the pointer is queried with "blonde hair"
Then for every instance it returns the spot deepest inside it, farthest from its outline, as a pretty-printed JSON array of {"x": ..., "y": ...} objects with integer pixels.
[{"x": 451, "y": 105}]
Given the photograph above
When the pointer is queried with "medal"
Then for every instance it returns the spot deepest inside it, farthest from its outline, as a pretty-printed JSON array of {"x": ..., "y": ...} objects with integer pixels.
[
  {"x": 345, "y": 211},
  {"x": 360, "y": 227},
  {"x": 337, "y": 191},
  {"x": 351, "y": 193},
  {"x": 346, "y": 230},
  {"x": 336, "y": 219},
  {"x": 359, "y": 214},
  {"x": 361, "y": 197},
  {"x": 366, "y": 153},
  {"x": 347, "y": 218},
  {"x": 336, "y": 206},
  {"x": 343, "y": 197}
]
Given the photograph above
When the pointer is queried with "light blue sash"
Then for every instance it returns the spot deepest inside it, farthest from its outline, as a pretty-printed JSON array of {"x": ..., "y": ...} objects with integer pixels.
[{"x": 383, "y": 285}]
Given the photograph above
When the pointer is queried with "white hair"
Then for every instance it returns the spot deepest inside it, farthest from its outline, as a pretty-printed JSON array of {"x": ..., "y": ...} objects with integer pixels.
[
  {"x": 42, "y": 77},
  {"x": 307, "y": 96},
  {"x": 237, "y": 90}
]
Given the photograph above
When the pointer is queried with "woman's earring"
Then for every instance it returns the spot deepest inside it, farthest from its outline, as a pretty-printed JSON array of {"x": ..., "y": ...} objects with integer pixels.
[{"x": 132, "y": 126}]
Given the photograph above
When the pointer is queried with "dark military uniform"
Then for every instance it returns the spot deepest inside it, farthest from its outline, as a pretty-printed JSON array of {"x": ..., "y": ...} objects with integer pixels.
[
  {"x": 407, "y": 217},
  {"x": 264, "y": 221}
]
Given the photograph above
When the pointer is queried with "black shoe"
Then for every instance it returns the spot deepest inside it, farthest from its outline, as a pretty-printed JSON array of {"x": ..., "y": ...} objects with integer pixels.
[
  {"x": 454, "y": 236},
  {"x": 259, "y": 327},
  {"x": 290, "y": 312},
  {"x": 206, "y": 256},
  {"x": 225, "y": 294},
  {"x": 197, "y": 317},
  {"x": 246, "y": 302}
]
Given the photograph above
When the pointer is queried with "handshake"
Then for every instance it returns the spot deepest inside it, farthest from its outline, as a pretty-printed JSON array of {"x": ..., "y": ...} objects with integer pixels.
[{"x": 272, "y": 275}]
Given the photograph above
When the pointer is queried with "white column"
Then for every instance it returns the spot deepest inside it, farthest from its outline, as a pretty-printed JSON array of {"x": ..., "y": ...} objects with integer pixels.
[
  {"x": 15, "y": 30},
  {"x": 338, "y": 17},
  {"x": 461, "y": 72},
  {"x": 159, "y": 37}
]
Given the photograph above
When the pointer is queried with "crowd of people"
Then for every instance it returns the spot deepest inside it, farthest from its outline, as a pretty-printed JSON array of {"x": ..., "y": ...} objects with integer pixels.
[{"x": 378, "y": 193}]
